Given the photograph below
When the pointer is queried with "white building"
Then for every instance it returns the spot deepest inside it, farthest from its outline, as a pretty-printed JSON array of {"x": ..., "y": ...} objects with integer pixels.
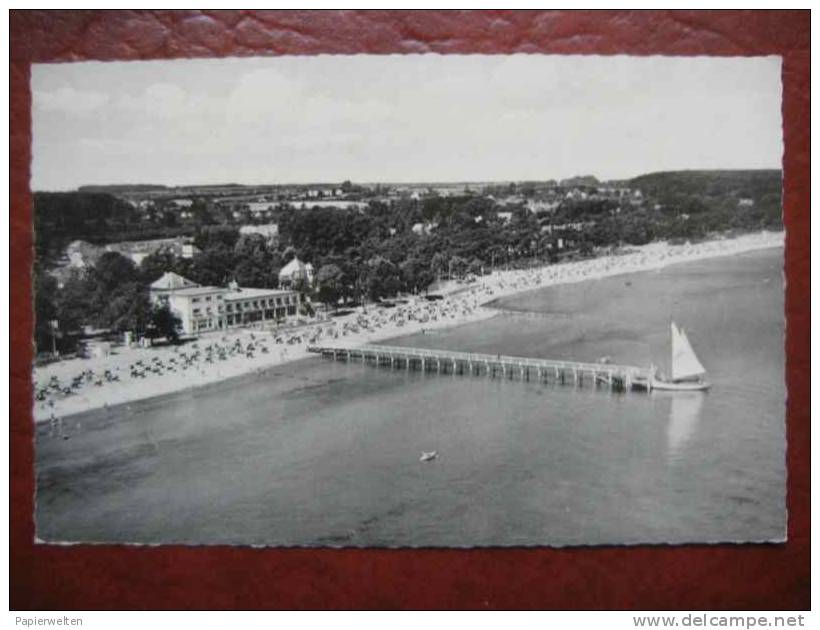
[
  {"x": 168, "y": 283},
  {"x": 248, "y": 306},
  {"x": 202, "y": 309},
  {"x": 294, "y": 272},
  {"x": 82, "y": 254},
  {"x": 423, "y": 228},
  {"x": 189, "y": 250},
  {"x": 270, "y": 231}
]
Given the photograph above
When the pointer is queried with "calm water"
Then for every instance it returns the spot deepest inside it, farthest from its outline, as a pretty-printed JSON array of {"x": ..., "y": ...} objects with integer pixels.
[{"x": 323, "y": 453}]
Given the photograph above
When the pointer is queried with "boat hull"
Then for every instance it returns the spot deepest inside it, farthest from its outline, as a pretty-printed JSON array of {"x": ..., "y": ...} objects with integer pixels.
[{"x": 683, "y": 386}]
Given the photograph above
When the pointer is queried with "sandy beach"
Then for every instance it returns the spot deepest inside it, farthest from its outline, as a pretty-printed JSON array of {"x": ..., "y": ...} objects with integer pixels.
[{"x": 128, "y": 374}]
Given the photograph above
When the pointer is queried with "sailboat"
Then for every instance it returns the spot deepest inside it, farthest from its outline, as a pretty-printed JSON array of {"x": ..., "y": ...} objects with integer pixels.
[{"x": 687, "y": 371}]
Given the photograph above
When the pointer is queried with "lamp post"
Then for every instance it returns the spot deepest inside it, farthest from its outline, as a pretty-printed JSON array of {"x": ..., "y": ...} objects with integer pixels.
[{"x": 54, "y": 326}]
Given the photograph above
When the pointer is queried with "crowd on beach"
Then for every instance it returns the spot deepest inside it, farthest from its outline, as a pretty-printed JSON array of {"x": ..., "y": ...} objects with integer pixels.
[
  {"x": 129, "y": 374},
  {"x": 133, "y": 373}
]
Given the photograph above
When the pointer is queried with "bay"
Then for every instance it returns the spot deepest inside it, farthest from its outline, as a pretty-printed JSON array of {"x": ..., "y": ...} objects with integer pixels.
[{"x": 323, "y": 453}]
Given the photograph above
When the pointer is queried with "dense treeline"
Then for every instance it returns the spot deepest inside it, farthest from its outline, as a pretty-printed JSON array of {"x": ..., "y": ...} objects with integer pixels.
[
  {"x": 749, "y": 184},
  {"x": 60, "y": 218}
]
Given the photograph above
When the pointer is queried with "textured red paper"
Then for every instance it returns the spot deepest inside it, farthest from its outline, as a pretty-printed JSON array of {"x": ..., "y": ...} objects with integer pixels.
[{"x": 688, "y": 577}]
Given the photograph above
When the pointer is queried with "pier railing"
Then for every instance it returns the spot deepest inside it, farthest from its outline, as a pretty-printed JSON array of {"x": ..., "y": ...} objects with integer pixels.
[{"x": 621, "y": 376}]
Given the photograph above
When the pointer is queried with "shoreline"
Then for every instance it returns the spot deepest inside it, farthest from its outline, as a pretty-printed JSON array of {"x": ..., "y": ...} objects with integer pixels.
[{"x": 466, "y": 304}]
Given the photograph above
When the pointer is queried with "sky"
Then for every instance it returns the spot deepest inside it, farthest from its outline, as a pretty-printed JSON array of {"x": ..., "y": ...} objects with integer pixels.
[{"x": 400, "y": 118}]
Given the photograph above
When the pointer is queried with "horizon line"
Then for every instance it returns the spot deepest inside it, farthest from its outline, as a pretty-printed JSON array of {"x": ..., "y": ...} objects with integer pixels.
[{"x": 418, "y": 182}]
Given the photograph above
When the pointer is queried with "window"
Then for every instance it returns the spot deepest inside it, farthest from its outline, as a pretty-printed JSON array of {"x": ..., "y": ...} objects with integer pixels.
[{"x": 194, "y": 299}]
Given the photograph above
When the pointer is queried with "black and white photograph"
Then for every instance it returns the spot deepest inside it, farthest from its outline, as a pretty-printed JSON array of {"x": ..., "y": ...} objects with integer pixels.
[{"x": 409, "y": 301}]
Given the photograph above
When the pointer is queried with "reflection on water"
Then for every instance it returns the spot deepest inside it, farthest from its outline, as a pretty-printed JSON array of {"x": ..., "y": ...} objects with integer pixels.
[{"x": 684, "y": 417}]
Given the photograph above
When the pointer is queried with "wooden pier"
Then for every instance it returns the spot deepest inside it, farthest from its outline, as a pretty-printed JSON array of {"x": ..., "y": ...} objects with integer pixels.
[{"x": 616, "y": 377}]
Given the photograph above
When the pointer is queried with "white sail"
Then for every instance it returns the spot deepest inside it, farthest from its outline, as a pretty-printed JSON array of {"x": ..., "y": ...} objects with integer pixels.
[{"x": 685, "y": 363}]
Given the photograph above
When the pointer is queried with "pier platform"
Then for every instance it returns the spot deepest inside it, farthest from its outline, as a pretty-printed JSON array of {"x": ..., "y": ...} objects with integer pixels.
[{"x": 616, "y": 377}]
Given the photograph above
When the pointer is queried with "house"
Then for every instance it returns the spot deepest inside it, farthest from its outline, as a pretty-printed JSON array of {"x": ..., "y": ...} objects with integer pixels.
[
  {"x": 511, "y": 200},
  {"x": 81, "y": 254},
  {"x": 270, "y": 231},
  {"x": 294, "y": 272},
  {"x": 423, "y": 228},
  {"x": 537, "y": 207},
  {"x": 576, "y": 195},
  {"x": 189, "y": 250},
  {"x": 139, "y": 250}
]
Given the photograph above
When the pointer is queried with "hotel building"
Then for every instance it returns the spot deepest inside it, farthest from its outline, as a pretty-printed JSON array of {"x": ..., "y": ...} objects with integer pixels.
[{"x": 202, "y": 309}]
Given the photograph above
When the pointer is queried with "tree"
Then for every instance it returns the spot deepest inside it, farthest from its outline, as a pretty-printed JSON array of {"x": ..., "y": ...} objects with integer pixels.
[
  {"x": 60, "y": 218},
  {"x": 457, "y": 266},
  {"x": 256, "y": 264},
  {"x": 114, "y": 286},
  {"x": 381, "y": 278},
  {"x": 45, "y": 310},
  {"x": 157, "y": 263},
  {"x": 128, "y": 308},
  {"x": 330, "y": 284},
  {"x": 74, "y": 302},
  {"x": 111, "y": 270},
  {"x": 164, "y": 323},
  {"x": 416, "y": 274},
  {"x": 440, "y": 263},
  {"x": 215, "y": 235},
  {"x": 213, "y": 266}
]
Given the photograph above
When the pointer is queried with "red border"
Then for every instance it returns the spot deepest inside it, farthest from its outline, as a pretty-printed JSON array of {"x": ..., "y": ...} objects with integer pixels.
[{"x": 692, "y": 577}]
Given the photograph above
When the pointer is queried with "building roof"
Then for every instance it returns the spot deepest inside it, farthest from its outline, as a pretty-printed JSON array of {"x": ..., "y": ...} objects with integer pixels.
[
  {"x": 196, "y": 291},
  {"x": 253, "y": 294},
  {"x": 294, "y": 266},
  {"x": 269, "y": 229},
  {"x": 172, "y": 281}
]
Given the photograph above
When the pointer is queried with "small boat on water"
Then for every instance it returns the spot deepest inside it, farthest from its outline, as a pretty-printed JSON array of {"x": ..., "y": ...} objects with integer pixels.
[
  {"x": 688, "y": 373},
  {"x": 427, "y": 456}
]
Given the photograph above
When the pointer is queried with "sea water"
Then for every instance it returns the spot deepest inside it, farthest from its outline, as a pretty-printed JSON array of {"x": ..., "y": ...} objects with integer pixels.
[{"x": 324, "y": 453}]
